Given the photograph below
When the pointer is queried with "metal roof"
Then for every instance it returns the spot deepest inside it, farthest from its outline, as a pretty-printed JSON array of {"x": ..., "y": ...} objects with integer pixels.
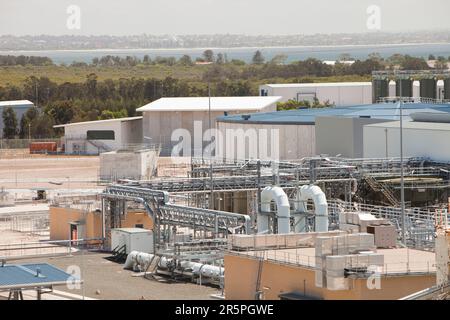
[
  {"x": 307, "y": 116},
  {"x": 27, "y": 276},
  {"x": 217, "y": 103},
  {"x": 97, "y": 121},
  {"x": 413, "y": 125},
  {"x": 16, "y": 103}
]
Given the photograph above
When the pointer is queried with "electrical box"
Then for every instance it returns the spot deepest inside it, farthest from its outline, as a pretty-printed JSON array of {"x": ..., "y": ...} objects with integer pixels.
[{"x": 134, "y": 239}]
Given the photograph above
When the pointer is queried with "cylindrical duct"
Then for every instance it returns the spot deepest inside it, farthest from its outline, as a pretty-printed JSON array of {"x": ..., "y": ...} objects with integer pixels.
[
  {"x": 380, "y": 89},
  {"x": 428, "y": 88},
  {"x": 406, "y": 88}
]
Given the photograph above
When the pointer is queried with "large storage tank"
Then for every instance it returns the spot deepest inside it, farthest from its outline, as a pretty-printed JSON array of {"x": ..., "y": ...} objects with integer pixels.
[
  {"x": 406, "y": 90},
  {"x": 447, "y": 89},
  {"x": 428, "y": 88},
  {"x": 380, "y": 89}
]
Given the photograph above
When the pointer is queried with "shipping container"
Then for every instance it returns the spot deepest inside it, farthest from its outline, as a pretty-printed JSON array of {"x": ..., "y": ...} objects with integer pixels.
[{"x": 43, "y": 147}]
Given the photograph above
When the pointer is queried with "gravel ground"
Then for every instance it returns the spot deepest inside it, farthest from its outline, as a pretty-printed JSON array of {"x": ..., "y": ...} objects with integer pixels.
[{"x": 108, "y": 280}]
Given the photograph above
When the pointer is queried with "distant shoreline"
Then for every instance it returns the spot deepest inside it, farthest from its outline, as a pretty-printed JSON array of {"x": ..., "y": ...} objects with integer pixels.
[{"x": 230, "y": 48}]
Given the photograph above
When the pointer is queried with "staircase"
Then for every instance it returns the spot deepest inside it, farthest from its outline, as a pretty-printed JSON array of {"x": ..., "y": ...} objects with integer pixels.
[
  {"x": 383, "y": 188},
  {"x": 101, "y": 146},
  {"x": 119, "y": 254}
]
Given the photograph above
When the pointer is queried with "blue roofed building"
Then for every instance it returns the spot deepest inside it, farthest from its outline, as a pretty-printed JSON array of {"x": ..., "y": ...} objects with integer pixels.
[{"x": 309, "y": 132}]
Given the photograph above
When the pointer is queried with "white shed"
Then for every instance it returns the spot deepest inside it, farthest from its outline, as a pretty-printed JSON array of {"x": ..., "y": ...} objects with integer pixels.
[
  {"x": 94, "y": 137},
  {"x": 164, "y": 116}
]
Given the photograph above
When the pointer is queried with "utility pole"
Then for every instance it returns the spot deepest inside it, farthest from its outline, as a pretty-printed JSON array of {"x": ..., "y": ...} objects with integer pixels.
[
  {"x": 402, "y": 177},
  {"x": 211, "y": 205}
]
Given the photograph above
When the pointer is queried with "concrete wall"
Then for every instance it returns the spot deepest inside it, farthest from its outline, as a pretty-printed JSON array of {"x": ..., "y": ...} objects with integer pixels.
[
  {"x": 159, "y": 125},
  {"x": 241, "y": 278},
  {"x": 434, "y": 144},
  {"x": 294, "y": 141},
  {"x": 60, "y": 218},
  {"x": 339, "y": 135},
  {"x": 136, "y": 165},
  {"x": 356, "y": 94}
]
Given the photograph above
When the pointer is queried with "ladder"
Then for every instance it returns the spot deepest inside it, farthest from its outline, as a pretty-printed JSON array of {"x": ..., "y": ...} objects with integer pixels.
[
  {"x": 383, "y": 188},
  {"x": 258, "y": 278},
  {"x": 152, "y": 267}
]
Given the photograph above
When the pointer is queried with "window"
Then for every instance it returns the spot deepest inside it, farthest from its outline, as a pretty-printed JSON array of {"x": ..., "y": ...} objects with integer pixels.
[{"x": 100, "y": 135}]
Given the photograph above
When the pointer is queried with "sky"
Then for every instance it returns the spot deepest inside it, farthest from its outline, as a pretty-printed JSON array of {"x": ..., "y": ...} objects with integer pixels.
[{"x": 252, "y": 17}]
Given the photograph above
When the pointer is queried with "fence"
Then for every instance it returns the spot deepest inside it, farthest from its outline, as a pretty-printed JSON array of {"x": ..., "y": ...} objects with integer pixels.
[
  {"x": 36, "y": 224},
  {"x": 23, "y": 250}
]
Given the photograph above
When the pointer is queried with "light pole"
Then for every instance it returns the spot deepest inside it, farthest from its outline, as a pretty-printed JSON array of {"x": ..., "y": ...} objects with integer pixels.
[
  {"x": 402, "y": 177},
  {"x": 210, "y": 155}
]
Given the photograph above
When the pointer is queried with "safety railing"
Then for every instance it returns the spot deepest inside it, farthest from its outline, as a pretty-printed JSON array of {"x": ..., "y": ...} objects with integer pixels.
[{"x": 27, "y": 249}]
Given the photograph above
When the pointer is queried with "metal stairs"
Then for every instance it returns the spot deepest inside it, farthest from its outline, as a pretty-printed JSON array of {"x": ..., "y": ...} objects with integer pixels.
[
  {"x": 119, "y": 253},
  {"x": 383, "y": 188}
]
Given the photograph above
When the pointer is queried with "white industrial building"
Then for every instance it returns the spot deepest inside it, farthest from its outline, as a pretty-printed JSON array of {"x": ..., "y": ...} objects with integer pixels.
[
  {"x": 165, "y": 120},
  {"x": 94, "y": 137},
  {"x": 420, "y": 139},
  {"x": 19, "y": 107},
  {"x": 337, "y": 93}
]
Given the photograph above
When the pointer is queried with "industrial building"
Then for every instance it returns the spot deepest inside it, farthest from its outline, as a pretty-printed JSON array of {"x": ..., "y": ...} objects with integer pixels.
[
  {"x": 19, "y": 107},
  {"x": 164, "y": 118},
  {"x": 336, "y": 93},
  {"x": 94, "y": 137},
  {"x": 426, "y": 139},
  {"x": 307, "y": 132}
]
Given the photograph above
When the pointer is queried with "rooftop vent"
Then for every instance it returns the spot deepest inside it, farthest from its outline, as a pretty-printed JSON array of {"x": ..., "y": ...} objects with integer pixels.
[{"x": 246, "y": 116}]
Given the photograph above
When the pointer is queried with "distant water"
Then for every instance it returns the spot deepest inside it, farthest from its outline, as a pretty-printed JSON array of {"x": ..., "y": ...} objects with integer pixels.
[{"x": 293, "y": 53}]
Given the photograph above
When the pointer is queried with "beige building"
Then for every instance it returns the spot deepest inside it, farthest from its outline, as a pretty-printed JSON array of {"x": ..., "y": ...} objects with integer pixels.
[
  {"x": 71, "y": 223},
  {"x": 165, "y": 120},
  {"x": 272, "y": 267}
]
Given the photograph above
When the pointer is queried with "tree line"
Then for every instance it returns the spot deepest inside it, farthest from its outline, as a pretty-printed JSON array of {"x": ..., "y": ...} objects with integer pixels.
[{"x": 60, "y": 103}]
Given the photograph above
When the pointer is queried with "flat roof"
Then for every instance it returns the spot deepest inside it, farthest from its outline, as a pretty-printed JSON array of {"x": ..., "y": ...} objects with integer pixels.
[
  {"x": 413, "y": 125},
  {"x": 307, "y": 116},
  {"x": 16, "y": 103},
  {"x": 396, "y": 260},
  {"x": 217, "y": 103},
  {"x": 97, "y": 121},
  {"x": 319, "y": 84},
  {"x": 33, "y": 275}
]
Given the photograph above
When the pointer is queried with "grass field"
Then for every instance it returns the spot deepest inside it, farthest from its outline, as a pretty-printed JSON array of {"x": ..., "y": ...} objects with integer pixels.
[{"x": 15, "y": 75}]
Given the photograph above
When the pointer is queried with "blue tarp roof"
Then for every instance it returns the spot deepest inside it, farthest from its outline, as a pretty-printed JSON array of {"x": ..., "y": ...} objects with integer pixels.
[
  {"x": 388, "y": 111},
  {"x": 26, "y": 275}
]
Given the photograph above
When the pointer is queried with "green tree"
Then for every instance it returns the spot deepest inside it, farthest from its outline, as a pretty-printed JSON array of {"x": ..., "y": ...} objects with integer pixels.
[
  {"x": 185, "y": 60},
  {"x": 25, "y": 122},
  {"x": 258, "y": 58},
  {"x": 208, "y": 55},
  {"x": 9, "y": 123},
  {"x": 42, "y": 126}
]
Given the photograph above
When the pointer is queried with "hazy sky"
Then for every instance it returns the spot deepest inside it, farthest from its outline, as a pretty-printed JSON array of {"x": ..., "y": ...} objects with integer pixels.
[{"x": 126, "y": 17}]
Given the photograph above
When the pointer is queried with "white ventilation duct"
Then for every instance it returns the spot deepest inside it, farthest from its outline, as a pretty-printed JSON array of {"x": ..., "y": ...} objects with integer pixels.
[
  {"x": 276, "y": 194},
  {"x": 392, "y": 85},
  {"x": 140, "y": 261},
  {"x": 416, "y": 89},
  {"x": 321, "y": 208}
]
